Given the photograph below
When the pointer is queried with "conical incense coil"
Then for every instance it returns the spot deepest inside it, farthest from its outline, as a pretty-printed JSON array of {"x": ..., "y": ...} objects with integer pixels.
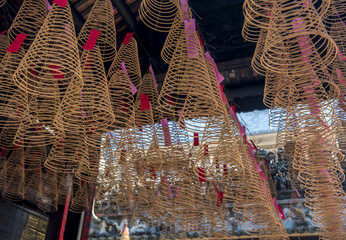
[
  {"x": 80, "y": 199},
  {"x": 4, "y": 44},
  {"x": 122, "y": 100},
  {"x": 34, "y": 157},
  {"x": 187, "y": 69},
  {"x": 67, "y": 153},
  {"x": 90, "y": 172},
  {"x": 14, "y": 176},
  {"x": 37, "y": 126},
  {"x": 62, "y": 186},
  {"x": 9, "y": 93},
  {"x": 101, "y": 18},
  {"x": 127, "y": 54},
  {"x": 256, "y": 59},
  {"x": 298, "y": 47},
  {"x": 309, "y": 89},
  {"x": 94, "y": 98},
  {"x": 259, "y": 13},
  {"x": 53, "y": 51},
  {"x": 158, "y": 14},
  {"x": 48, "y": 197},
  {"x": 7, "y": 134},
  {"x": 29, "y": 20},
  {"x": 175, "y": 33},
  {"x": 149, "y": 87},
  {"x": 271, "y": 87},
  {"x": 33, "y": 183},
  {"x": 146, "y": 134},
  {"x": 71, "y": 114}
]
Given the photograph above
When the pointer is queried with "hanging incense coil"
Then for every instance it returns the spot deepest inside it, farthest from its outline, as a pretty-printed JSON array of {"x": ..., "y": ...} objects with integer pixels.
[
  {"x": 271, "y": 88},
  {"x": 7, "y": 134},
  {"x": 94, "y": 99},
  {"x": 80, "y": 200},
  {"x": 90, "y": 172},
  {"x": 175, "y": 33},
  {"x": 335, "y": 13},
  {"x": 158, "y": 14},
  {"x": 187, "y": 69},
  {"x": 149, "y": 87},
  {"x": 37, "y": 126},
  {"x": 4, "y": 44},
  {"x": 122, "y": 100},
  {"x": 67, "y": 153},
  {"x": 9, "y": 95},
  {"x": 48, "y": 197},
  {"x": 28, "y": 20},
  {"x": 53, "y": 56},
  {"x": 101, "y": 18},
  {"x": 33, "y": 183},
  {"x": 128, "y": 54},
  {"x": 13, "y": 176},
  {"x": 298, "y": 46},
  {"x": 34, "y": 157},
  {"x": 256, "y": 59}
]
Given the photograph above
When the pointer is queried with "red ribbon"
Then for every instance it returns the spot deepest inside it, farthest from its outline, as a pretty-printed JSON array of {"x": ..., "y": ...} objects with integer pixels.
[
  {"x": 17, "y": 42},
  {"x": 90, "y": 43},
  {"x": 127, "y": 38},
  {"x": 61, "y": 3},
  {"x": 55, "y": 70},
  {"x": 195, "y": 139},
  {"x": 145, "y": 103},
  {"x": 201, "y": 174},
  {"x": 219, "y": 196}
]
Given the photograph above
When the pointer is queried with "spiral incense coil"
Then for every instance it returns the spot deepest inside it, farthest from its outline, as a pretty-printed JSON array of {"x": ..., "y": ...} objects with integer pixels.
[
  {"x": 37, "y": 126},
  {"x": 48, "y": 197},
  {"x": 7, "y": 134},
  {"x": 128, "y": 54},
  {"x": 101, "y": 18},
  {"x": 28, "y": 20},
  {"x": 67, "y": 153},
  {"x": 33, "y": 183},
  {"x": 256, "y": 59},
  {"x": 90, "y": 172},
  {"x": 149, "y": 87},
  {"x": 174, "y": 35},
  {"x": 34, "y": 157},
  {"x": 187, "y": 69},
  {"x": 80, "y": 199},
  {"x": 53, "y": 56},
  {"x": 94, "y": 99},
  {"x": 8, "y": 93},
  {"x": 62, "y": 187},
  {"x": 2, "y": 2},
  {"x": 13, "y": 176},
  {"x": 4, "y": 44},
  {"x": 121, "y": 97},
  {"x": 158, "y": 14},
  {"x": 300, "y": 47}
]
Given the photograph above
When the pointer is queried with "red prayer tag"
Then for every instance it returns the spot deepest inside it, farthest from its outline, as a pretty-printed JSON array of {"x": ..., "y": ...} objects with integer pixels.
[
  {"x": 127, "y": 38},
  {"x": 145, "y": 103},
  {"x": 61, "y": 3},
  {"x": 17, "y": 42},
  {"x": 201, "y": 174},
  {"x": 90, "y": 43},
  {"x": 195, "y": 139},
  {"x": 3, "y": 151}
]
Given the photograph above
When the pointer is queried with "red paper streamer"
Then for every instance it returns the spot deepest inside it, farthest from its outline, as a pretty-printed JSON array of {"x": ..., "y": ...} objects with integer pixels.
[
  {"x": 17, "y": 42},
  {"x": 90, "y": 43},
  {"x": 195, "y": 139},
  {"x": 64, "y": 218},
  {"x": 166, "y": 133},
  {"x": 145, "y": 103},
  {"x": 205, "y": 150},
  {"x": 201, "y": 174},
  {"x": 127, "y": 38},
  {"x": 61, "y": 3},
  {"x": 219, "y": 196},
  {"x": 200, "y": 39},
  {"x": 170, "y": 100}
]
